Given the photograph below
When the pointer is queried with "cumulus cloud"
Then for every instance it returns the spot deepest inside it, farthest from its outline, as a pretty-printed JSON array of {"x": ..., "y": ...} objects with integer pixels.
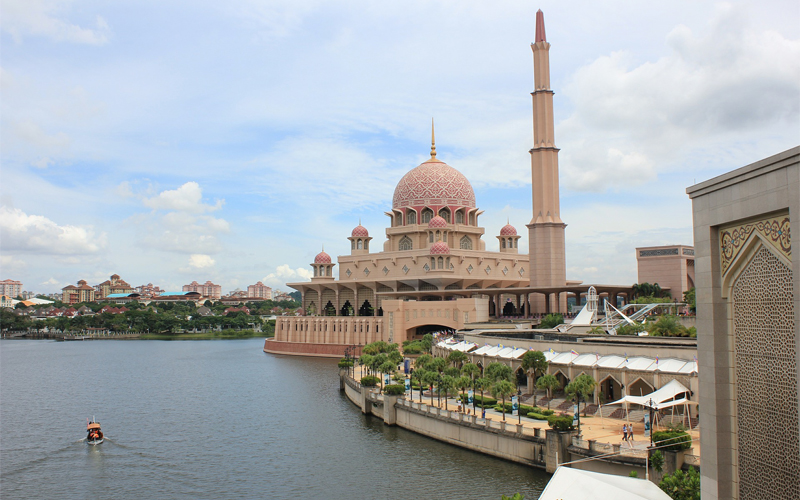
[
  {"x": 45, "y": 18},
  {"x": 187, "y": 198},
  {"x": 51, "y": 281},
  {"x": 179, "y": 222},
  {"x": 35, "y": 233},
  {"x": 11, "y": 265},
  {"x": 200, "y": 261},
  {"x": 729, "y": 79},
  {"x": 285, "y": 274}
]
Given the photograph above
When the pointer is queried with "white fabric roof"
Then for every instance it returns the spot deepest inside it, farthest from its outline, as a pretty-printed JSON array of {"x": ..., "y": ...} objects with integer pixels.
[
  {"x": 666, "y": 393},
  {"x": 493, "y": 351},
  {"x": 575, "y": 484},
  {"x": 690, "y": 367},
  {"x": 505, "y": 352},
  {"x": 611, "y": 361},
  {"x": 549, "y": 355},
  {"x": 671, "y": 365},
  {"x": 680, "y": 402},
  {"x": 563, "y": 358},
  {"x": 585, "y": 360},
  {"x": 483, "y": 349},
  {"x": 466, "y": 346},
  {"x": 641, "y": 363},
  {"x": 518, "y": 352}
]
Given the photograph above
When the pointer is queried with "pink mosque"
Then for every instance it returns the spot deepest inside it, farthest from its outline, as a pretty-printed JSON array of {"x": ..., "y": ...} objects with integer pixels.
[{"x": 434, "y": 272}]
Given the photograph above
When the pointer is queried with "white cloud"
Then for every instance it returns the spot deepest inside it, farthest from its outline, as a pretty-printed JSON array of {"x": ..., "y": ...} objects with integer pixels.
[
  {"x": 285, "y": 274},
  {"x": 187, "y": 198},
  {"x": 201, "y": 261},
  {"x": 178, "y": 223},
  {"x": 45, "y": 145},
  {"x": 35, "y": 233},
  {"x": 729, "y": 79},
  {"x": 43, "y": 18},
  {"x": 11, "y": 265},
  {"x": 51, "y": 281}
]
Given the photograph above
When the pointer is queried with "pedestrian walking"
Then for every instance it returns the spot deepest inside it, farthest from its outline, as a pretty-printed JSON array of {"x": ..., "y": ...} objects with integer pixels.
[
  {"x": 630, "y": 436},
  {"x": 625, "y": 432}
]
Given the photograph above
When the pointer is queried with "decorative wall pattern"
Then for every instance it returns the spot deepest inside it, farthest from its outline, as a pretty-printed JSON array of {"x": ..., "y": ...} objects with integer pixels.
[
  {"x": 433, "y": 183},
  {"x": 776, "y": 230},
  {"x": 765, "y": 374}
]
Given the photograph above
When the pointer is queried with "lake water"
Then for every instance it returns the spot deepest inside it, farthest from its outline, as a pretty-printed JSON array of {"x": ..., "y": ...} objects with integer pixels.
[{"x": 213, "y": 419}]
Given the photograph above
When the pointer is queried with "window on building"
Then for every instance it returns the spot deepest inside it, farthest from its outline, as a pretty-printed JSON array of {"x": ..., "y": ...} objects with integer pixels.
[
  {"x": 441, "y": 262},
  {"x": 360, "y": 244},
  {"x": 412, "y": 217},
  {"x": 406, "y": 244},
  {"x": 459, "y": 217},
  {"x": 445, "y": 214},
  {"x": 466, "y": 243},
  {"x": 427, "y": 215}
]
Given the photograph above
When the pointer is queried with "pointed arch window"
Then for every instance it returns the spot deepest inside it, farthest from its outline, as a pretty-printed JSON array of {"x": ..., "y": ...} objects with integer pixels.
[
  {"x": 441, "y": 262},
  {"x": 406, "y": 244},
  {"x": 466, "y": 243},
  {"x": 412, "y": 217},
  {"x": 427, "y": 215},
  {"x": 445, "y": 214},
  {"x": 360, "y": 244},
  {"x": 459, "y": 217}
]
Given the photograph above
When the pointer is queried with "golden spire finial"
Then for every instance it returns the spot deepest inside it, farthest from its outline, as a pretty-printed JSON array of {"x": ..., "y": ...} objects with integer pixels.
[{"x": 433, "y": 141}]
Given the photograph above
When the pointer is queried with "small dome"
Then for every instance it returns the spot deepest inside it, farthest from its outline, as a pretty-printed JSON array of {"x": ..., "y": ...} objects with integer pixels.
[
  {"x": 508, "y": 230},
  {"x": 322, "y": 258},
  {"x": 440, "y": 248},
  {"x": 437, "y": 223},
  {"x": 360, "y": 232}
]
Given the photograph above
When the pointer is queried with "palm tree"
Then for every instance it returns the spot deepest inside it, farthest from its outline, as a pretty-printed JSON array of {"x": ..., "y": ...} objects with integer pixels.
[
  {"x": 472, "y": 371},
  {"x": 422, "y": 361},
  {"x": 366, "y": 360},
  {"x": 462, "y": 383},
  {"x": 430, "y": 377},
  {"x": 419, "y": 375},
  {"x": 438, "y": 364},
  {"x": 503, "y": 389},
  {"x": 446, "y": 383},
  {"x": 498, "y": 371},
  {"x": 386, "y": 367},
  {"x": 536, "y": 362},
  {"x": 580, "y": 388},
  {"x": 457, "y": 358},
  {"x": 549, "y": 383}
]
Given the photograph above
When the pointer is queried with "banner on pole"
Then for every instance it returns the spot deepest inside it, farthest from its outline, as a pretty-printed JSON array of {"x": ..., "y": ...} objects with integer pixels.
[
  {"x": 470, "y": 395},
  {"x": 647, "y": 424},
  {"x": 514, "y": 405}
]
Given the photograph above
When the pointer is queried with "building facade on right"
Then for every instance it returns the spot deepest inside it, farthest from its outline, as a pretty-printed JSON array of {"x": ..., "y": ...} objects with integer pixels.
[{"x": 748, "y": 323}]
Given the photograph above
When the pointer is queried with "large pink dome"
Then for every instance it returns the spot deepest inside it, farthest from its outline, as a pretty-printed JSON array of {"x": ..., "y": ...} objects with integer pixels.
[
  {"x": 433, "y": 184},
  {"x": 322, "y": 258}
]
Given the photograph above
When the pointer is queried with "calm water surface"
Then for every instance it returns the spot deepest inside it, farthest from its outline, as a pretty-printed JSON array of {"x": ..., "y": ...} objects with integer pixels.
[{"x": 213, "y": 419}]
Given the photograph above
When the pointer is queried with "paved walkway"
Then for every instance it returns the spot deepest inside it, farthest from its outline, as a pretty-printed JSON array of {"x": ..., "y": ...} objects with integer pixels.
[{"x": 602, "y": 430}]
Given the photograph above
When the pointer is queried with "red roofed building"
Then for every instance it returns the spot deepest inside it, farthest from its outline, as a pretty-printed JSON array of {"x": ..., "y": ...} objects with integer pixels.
[
  {"x": 260, "y": 291},
  {"x": 207, "y": 289},
  {"x": 113, "y": 285},
  {"x": 72, "y": 294}
]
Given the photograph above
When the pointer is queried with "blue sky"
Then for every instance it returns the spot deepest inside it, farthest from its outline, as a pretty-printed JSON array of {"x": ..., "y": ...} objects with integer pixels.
[{"x": 229, "y": 141}]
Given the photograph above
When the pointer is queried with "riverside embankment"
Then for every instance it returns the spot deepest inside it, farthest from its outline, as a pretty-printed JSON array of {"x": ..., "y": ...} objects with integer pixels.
[{"x": 524, "y": 444}]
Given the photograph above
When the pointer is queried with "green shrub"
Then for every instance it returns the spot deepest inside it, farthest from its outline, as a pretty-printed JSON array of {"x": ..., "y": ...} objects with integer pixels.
[
  {"x": 560, "y": 422},
  {"x": 485, "y": 400},
  {"x": 551, "y": 321},
  {"x": 627, "y": 329},
  {"x": 633, "y": 473},
  {"x": 370, "y": 381},
  {"x": 536, "y": 416},
  {"x": 394, "y": 389},
  {"x": 677, "y": 440},
  {"x": 345, "y": 363},
  {"x": 547, "y": 413}
]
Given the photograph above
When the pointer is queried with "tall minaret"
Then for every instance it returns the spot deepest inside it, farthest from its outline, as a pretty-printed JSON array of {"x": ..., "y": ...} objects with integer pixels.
[{"x": 546, "y": 230}]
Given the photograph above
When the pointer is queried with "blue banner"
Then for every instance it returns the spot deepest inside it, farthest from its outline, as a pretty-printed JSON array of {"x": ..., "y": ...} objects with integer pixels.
[
  {"x": 470, "y": 394},
  {"x": 514, "y": 405}
]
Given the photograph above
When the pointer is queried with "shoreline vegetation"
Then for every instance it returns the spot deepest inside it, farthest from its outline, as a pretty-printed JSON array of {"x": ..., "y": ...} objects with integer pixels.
[{"x": 223, "y": 335}]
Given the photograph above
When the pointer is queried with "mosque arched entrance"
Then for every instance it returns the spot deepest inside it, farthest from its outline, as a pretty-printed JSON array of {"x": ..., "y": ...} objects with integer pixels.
[
  {"x": 330, "y": 309},
  {"x": 366, "y": 309},
  {"x": 347, "y": 309},
  {"x": 420, "y": 331},
  {"x": 509, "y": 309}
]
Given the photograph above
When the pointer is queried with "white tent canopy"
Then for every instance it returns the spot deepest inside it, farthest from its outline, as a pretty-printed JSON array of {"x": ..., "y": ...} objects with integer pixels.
[
  {"x": 667, "y": 393},
  {"x": 576, "y": 484}
]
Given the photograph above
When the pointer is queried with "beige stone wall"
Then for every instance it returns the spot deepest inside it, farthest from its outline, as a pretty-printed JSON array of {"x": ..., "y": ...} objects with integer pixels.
[
  {"x": 670, "y": 266},
  {"x": 749, "y": 330}
]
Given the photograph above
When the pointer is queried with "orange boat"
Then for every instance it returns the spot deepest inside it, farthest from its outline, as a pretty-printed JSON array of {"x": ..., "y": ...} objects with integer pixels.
[{"x": 94, "y": 435}]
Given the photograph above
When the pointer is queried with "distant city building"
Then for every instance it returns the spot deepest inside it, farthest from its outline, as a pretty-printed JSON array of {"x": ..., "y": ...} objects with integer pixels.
[
  {"x": 281, "y": 296},
  {"x": 149, "y": 291},
  {"x": 670, "y": 266},
  {"x": 12, "y": 288},
  {"x": 72, "y": 294},
  {"x": 26, "y": 295},
  {"x": 6, "y": 301},
  {"x": 191, "y": 296},
  {"x": 259, "y": 290},
  {"x": 113, "y": 285},
  {"x": 238, "y": 293},
  {"x": 207, "y": 289}
]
